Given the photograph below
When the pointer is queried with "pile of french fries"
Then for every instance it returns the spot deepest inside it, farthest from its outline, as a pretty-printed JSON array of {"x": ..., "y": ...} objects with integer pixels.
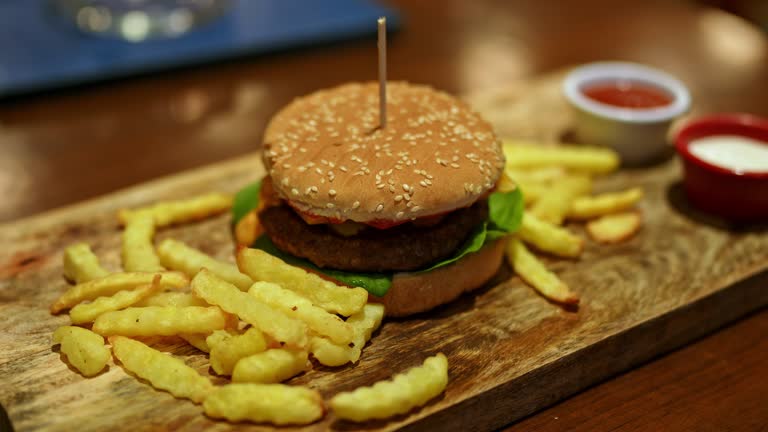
[
  {"x": 556, "y": 182},
  {"x": 260, "y": 321}
]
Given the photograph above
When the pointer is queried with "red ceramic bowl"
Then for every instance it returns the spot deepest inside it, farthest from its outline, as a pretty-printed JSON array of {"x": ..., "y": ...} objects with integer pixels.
[{"x": 738, "y": 196}]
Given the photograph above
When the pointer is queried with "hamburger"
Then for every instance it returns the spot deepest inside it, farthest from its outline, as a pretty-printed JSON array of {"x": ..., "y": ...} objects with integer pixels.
[{"x": 408, "y": 212}]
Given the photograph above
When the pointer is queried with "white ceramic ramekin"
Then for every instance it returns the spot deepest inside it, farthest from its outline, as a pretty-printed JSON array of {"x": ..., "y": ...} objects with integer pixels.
[{"x": 639, "y": 135}]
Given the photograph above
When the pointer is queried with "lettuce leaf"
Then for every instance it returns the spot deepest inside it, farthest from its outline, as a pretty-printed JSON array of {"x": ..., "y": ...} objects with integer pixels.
[
  {"x": 505, "y": 213},
  {"x": 245, "y": 200},
  {"x": 506, "y": 210}
]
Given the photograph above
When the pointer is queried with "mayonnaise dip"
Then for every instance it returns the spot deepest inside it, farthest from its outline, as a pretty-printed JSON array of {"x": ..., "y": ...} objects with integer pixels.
[{"x": 734, "y": 152}]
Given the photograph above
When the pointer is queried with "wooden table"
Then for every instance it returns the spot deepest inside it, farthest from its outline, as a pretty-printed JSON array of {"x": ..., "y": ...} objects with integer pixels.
[{"x": 60, "y": 148}]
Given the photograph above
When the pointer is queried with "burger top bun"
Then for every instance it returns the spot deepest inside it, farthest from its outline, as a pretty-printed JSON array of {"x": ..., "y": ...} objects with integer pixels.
[{"x": 328, "y": 157}]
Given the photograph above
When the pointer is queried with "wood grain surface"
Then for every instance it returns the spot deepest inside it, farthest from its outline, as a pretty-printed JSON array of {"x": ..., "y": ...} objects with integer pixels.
[{"x": 511, "y": 352}]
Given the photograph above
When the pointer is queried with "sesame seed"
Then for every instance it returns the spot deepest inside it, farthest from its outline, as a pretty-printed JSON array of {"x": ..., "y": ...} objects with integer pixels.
[
  {"x": 406, "y": 187},
  {"x": 454, "y": 165},
  {"x": 284, "y": 182},
  {"x": 423, "y": 183},
  {"x": 379, "y": 207},
  {"x": 332, "y": 192},
  {"x": 356, "y": 204},
  {"x": 407, "y": 197},
  {"x": 415, "y": 208},
  {"x": 400, "y": 215},
  {"x": 294, "y": 191},
  {"x": 398, "y": 198}
]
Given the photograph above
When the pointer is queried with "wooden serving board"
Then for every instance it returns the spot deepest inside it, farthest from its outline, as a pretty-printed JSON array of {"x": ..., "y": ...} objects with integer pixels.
[{"x": 510, "y": 351}]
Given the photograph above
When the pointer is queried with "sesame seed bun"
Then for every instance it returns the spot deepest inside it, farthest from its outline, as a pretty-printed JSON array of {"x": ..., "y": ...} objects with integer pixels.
[
  {"x": 327, "y": 156},
  {"x": 419, "y": 292}
]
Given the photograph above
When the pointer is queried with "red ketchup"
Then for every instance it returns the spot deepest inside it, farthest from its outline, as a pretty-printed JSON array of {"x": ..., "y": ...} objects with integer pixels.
[{"x": 627, "y": 94}]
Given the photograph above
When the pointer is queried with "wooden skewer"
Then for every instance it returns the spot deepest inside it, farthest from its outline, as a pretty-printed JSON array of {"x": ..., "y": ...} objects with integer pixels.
[{"x": 382, "y": 72}]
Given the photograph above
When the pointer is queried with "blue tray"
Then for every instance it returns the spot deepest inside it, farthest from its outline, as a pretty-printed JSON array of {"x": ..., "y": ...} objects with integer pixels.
[{"x": 41, "y": 50}]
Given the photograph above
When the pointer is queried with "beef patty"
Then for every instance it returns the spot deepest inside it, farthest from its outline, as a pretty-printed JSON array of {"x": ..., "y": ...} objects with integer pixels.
[{"x": 405, "y": 247}]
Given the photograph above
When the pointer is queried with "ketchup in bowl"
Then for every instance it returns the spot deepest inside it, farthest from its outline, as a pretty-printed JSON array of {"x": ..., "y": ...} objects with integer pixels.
[{"x": 628, "y": 94}]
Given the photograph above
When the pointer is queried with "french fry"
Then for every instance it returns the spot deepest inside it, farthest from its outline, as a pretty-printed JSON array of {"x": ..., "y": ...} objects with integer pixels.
[
  {"x": 553, "y": 205},
  {"x": 197, "y": 340},
  {"x": 110, "y": 284},
  {"x": 544, "y": 175},
  {"x": 533, "y": 272},
  {"x": 279, "y": 404},
  {"x": 589, "y": 207},
  {"x": 173, "y": 212},
  {"x": 85, "y": 350},
  {"x": 614, "y": 228},
  {"x": 228, "y": 297},
  {"x": 228, "y": 348},
  {"x": 160, "y": 321},
  {"x": 271, "y": 366},
  {"x": 172, "y": 298},
  {"x": 531, "y": 190},
  {"x": 296, "y": 306},
  {"x": 87, "y": 312},
  {"x": 162, "y": 371},
  {"x": 138, "y": 251},
  {"x": 176, "y": 255},
  {"x": 592, "y": 160},
  {"x": 550, "y": 238},
  {"x": 399, "y": 395},
  {"x": 81, "y": 265},
  {"x": 248, "y": 229},
  {"x": 363, "y": 323},
  {"x": 261, "y": 266},
  {"x": 506, "y": 184}
]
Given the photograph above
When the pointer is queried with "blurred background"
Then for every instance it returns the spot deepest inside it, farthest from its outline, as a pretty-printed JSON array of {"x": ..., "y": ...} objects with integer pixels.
[{"x": 96, "y": 95}]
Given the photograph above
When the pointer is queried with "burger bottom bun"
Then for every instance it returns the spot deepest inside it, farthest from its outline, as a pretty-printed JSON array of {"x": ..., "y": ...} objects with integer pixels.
[{"x": 412, "y": 293}]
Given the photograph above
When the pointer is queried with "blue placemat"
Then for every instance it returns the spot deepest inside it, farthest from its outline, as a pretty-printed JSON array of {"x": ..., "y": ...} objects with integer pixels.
[{"x": 40, "y": 50}]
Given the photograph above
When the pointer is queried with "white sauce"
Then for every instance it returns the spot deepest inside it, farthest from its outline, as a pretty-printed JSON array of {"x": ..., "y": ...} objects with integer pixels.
[{"x": 734, "y": 152}]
